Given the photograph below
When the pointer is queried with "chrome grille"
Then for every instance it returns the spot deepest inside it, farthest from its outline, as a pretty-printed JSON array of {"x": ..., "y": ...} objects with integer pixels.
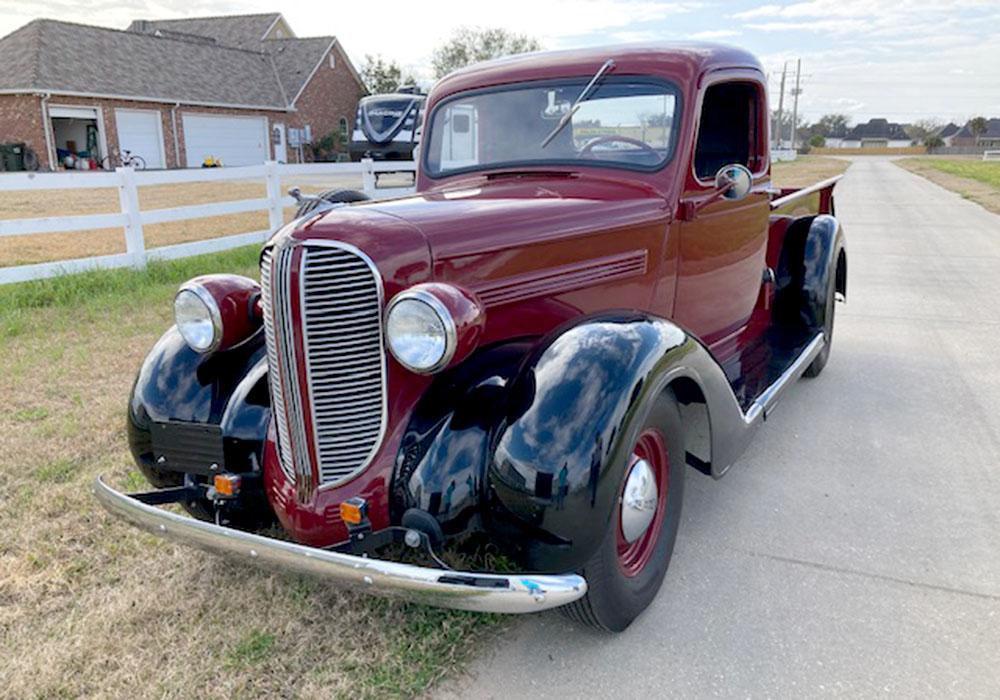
[
  {"x": 340, "y": 297},
  {"x": 342, "y": 327}
]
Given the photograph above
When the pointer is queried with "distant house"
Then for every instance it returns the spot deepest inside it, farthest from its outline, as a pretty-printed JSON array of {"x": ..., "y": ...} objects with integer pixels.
[
  {"x": 988, "y": 139},
  {"x": 174, "y": 91},
  {"x": 876, "y": 133},
  {"x": 947, "y": 133},
  {"x": 836, "y": 137}
]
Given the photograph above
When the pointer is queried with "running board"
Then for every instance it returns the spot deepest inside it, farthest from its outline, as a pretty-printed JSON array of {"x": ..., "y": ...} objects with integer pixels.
[{"x": 764, "y": 404}]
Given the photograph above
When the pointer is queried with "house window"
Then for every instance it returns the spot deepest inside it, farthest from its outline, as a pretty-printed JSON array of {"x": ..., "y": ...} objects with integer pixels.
[
  {"x": 343, "y": 128},
  {"x": 333, "y": 61}
]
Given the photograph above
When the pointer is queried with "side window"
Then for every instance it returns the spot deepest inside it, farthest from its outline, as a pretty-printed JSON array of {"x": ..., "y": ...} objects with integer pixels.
[
  {"x": 343, "y": 128},
  {"x": 728, "y": 131}
]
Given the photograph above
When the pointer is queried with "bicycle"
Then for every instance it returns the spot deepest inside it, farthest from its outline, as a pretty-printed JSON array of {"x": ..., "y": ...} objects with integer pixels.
[{"x": 127, "y": 160}]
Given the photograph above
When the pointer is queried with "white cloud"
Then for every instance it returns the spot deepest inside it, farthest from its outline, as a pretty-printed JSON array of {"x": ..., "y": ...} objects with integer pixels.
[{"x": 714, "y": 34}]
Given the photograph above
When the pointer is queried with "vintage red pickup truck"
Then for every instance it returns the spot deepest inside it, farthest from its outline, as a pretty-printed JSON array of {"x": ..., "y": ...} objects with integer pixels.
[{"x": 594, "y": 287}]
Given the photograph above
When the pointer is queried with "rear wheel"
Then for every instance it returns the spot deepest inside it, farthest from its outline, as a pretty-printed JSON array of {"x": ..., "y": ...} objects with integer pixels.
[
  {"x": 625, "y": 573},
  {"x": 342, "y": 196}
]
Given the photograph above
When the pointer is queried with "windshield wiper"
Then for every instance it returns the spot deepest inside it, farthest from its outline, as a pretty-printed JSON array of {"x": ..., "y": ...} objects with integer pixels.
[{"x": 608, "y": 65}]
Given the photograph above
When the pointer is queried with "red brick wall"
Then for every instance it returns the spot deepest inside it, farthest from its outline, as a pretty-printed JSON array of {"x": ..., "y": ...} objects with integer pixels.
[
  {"x": 21, "y": 122},
  {"x": 332, "y": 93},
  {"x": 111, "y": 131}
]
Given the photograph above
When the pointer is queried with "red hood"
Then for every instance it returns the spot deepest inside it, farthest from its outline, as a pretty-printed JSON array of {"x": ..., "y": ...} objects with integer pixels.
[{"x": 489, "y": 215}]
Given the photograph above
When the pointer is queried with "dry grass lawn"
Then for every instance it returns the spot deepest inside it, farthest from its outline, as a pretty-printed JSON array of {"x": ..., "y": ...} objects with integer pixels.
[
  {"x": 806, "y": 170},
  {"x": 974, "y": 179},
  {"x": 24, "y": 250},
  {"x": 91, "y": 607}
]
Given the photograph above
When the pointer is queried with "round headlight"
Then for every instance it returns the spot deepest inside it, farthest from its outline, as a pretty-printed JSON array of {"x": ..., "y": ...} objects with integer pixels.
[
  {"x": 198, "y": 319},
  {"x": 420, "y": 331}
]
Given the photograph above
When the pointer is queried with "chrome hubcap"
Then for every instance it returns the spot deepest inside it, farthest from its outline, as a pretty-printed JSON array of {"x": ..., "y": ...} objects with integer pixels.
[{"x": 639, "y": 500}]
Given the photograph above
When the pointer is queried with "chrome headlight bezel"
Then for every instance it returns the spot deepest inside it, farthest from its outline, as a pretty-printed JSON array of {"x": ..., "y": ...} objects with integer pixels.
[
  {"x": 213, "y": 316},
  {"x": 449, "y": 330}
]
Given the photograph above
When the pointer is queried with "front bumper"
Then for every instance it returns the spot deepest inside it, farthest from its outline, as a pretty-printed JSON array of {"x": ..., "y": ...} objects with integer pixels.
[{"x": 515, "y": 593}]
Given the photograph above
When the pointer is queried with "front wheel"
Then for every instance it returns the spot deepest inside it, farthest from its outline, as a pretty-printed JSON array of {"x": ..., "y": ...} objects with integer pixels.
[
  {"x": 625, "y": 573},
  {"x": 137, "y": 162}
]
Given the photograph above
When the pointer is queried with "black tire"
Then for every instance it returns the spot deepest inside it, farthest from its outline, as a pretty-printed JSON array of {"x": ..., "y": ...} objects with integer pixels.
[
  {"x": 137, "y": 162},
  {"x": 819, "y": 362},
  {"x": 334, "y": 197},
  {"x": 614, "y": 599}
]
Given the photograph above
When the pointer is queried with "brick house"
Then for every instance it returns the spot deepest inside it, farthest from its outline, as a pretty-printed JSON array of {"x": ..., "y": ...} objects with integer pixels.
[
  {"x": 876, "y": 133},
  {"x": 173, "y": 91},
  {"x": 987, "y": 139}
]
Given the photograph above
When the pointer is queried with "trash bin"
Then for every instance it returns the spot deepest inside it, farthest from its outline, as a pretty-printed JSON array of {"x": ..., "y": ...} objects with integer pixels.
[{"x": 12, "y": 156}]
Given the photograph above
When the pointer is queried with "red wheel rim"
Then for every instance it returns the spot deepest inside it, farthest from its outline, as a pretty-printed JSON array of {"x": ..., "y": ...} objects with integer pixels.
[{"x": 633, "y": 556}]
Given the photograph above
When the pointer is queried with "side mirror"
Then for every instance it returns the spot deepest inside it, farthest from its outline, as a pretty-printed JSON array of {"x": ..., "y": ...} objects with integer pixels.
[{"x": 734, "y": 181}]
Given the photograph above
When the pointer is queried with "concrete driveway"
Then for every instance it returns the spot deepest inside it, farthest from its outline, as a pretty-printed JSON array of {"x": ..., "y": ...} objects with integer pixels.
[{"x": 854, "y": 550}]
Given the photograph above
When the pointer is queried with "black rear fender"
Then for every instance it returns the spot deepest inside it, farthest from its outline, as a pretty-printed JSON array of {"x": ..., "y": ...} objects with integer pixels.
[{"x": 812, "y": 254}]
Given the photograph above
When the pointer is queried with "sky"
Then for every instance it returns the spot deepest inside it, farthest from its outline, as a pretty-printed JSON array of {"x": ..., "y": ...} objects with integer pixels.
[{"x": 905, "y": 60}]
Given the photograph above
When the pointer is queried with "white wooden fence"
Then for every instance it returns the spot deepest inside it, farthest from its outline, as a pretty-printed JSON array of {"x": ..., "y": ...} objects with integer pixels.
[{"x": 132, "y": 218}]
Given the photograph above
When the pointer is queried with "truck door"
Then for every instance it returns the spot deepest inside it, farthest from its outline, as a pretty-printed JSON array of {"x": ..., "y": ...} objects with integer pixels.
[{"x": 723, "y": 243}]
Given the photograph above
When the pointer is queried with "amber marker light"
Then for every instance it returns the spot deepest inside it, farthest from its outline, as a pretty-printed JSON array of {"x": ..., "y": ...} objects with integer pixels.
[
  {"x": 354, "y": 510},
  {"x": 228, "y": 484}
]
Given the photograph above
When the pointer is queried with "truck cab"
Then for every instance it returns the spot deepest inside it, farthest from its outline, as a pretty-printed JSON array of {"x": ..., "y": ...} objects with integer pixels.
[{"x": 594, "y": 288}]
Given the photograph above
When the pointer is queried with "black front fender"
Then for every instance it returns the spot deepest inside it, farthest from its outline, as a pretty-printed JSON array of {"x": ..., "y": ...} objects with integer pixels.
[
  {"x": 207, "y": 407},
  {"x": 527, "y": 443}
]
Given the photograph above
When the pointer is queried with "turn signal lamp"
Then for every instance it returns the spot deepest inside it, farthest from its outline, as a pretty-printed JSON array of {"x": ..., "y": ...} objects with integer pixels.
[
  {"x": 227, "y": 484},
  {"x": 354, "y": 511}
]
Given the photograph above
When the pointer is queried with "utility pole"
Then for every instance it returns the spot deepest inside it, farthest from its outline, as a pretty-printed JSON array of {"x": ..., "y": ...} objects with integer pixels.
[
  {"x": 781, "y": 102},
  {"x": 795, "y": 103}
]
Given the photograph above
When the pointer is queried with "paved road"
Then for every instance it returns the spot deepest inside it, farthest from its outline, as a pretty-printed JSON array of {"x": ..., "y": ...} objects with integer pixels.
[{"x": 854, "y": 550}]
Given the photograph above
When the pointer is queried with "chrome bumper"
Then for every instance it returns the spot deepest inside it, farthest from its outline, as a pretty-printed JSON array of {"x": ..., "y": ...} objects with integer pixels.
[{"x": 461, "y": 590}]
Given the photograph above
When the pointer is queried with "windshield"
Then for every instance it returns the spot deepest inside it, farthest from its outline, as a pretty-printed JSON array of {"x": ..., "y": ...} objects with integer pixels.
[{"x": 624, "y": 122}]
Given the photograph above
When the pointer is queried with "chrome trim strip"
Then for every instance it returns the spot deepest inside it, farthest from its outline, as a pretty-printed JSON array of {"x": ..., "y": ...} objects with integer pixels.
[{"x": 514, "y": 593}]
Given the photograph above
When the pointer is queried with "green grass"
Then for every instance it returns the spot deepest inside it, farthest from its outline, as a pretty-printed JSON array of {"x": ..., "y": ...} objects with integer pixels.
[
  {"x": 103, "y": 291},
  {"x": 253, "y": 648},
  {"x": 986, "y": 172},
  {"x": 30, "y": 415},
  {"x": 57, "y": 472}
]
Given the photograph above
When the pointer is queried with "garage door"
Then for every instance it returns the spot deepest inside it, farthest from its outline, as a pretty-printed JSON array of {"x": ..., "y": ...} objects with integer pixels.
[
  {"x": 141, "y": 134},
  {"x": 232, "y": 140}
]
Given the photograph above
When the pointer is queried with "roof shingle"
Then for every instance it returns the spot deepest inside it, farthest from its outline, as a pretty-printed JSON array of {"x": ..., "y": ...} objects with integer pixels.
[
  {"x": 210, "y": 60},
  {"x": 239, "y": 31}
]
